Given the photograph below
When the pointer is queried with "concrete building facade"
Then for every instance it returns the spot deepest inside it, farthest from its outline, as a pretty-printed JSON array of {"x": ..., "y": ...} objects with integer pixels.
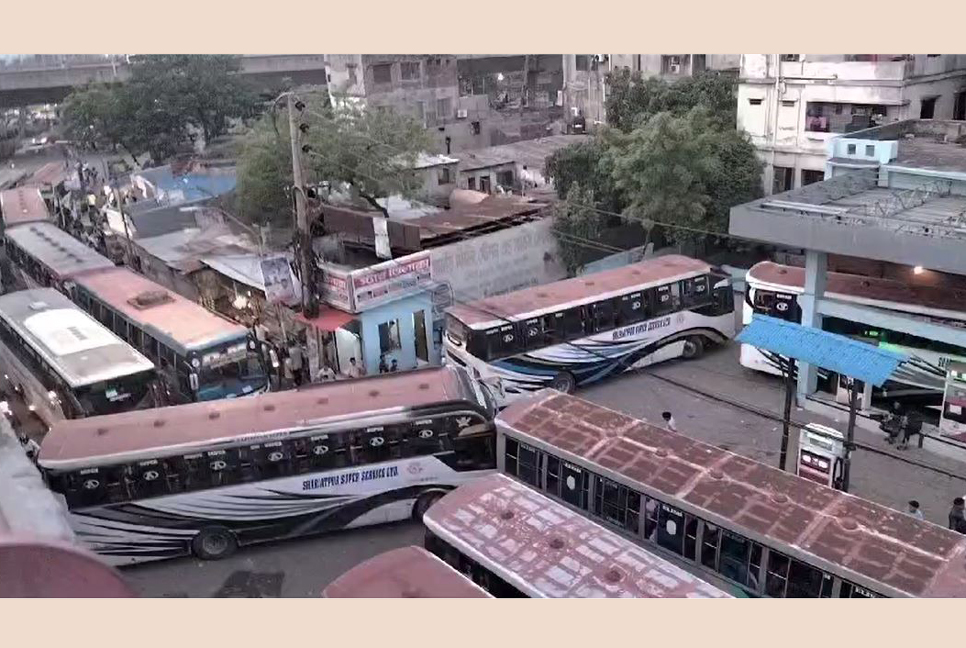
[{"x": 793, "y": 105}]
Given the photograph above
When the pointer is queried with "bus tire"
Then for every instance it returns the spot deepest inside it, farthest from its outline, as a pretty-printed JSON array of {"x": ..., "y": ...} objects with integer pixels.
[
  {"x": 693, "y": 348},
  {"x": 423, "y": 504},
  {"x": 564, "y": 382},
  {"x": 214, "y": 543}
]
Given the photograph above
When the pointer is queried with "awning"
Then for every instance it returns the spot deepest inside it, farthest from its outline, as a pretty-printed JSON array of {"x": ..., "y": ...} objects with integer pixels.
[
  {"x": 328, "y": 319},
  {"x": 819, "y": 348}
]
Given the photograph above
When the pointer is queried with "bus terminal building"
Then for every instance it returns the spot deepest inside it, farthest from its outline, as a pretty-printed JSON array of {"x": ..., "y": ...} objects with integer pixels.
[{"x": 894, "y": 194}]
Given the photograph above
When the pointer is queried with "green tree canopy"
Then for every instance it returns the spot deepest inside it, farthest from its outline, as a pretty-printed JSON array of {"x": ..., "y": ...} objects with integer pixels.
[
  {"x": 632, "y": 99},
  {"x": 368, "y": 153},
  {"x": 585, "y": 163},
  {"x": 155, "y": 110},
  {"x": 576, "y": 223}
]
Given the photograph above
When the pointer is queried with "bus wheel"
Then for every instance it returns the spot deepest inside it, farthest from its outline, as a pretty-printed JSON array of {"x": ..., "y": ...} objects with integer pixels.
[
  {"x": 693, "y": 348},
  {"x": 564, "y": 382},
  {"x": 423, "y": 503},
  {"x": 214, "y": 543}
]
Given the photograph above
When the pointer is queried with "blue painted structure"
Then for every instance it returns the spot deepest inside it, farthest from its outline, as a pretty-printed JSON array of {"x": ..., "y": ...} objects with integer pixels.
[
  {"x": 819, "y": 348},
  {"x": 400, "y": 310}
]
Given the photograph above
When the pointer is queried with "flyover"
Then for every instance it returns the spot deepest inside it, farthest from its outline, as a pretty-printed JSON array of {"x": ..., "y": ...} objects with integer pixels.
[{"x": 22, "y": 85}]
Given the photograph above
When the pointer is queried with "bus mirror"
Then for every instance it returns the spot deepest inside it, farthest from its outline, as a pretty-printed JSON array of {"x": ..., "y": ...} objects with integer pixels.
[{"x": 193, "y": 381}]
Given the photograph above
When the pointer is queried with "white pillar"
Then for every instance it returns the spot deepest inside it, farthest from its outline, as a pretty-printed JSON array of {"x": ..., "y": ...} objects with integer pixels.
[{"x": 816, "y": 267}]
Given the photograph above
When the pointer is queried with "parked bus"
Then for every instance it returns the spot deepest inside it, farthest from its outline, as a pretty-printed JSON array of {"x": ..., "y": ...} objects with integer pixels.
[
  {"x": 22, "y": 205},
  {"x": 773, "y": 290},
  {"x": 516, "y": 543},
  {"x": 733, "y": 521},
  {"x": 201, "y": 355},
  {"x": 64, "y": 363},
  {"x": 573, "y": 332},
  {"x": 48, "y": 257},
  {"x": 408, "y": 572},
  {"x": 207, "y": 477}
]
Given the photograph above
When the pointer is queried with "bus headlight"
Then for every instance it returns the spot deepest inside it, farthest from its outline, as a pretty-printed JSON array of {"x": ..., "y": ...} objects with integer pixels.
[{"x": 52, "y": 396}]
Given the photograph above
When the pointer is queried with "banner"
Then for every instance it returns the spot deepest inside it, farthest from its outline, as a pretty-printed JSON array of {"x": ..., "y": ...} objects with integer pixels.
[{"x": 278, "y": 280}]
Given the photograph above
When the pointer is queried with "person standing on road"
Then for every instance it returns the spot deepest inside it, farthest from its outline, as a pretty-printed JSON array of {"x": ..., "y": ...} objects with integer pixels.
[
  {"x": 355, "y": 371},
  {"x": 295, "y": 358},
  {"x": 914, "y": 510},
  {"x": 669, "y": 421},
  {"x": 957, "y": 516}
]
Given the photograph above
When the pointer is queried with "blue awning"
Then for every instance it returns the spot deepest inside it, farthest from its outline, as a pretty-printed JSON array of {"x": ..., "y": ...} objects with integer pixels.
[{"x": 829, "y": 351}]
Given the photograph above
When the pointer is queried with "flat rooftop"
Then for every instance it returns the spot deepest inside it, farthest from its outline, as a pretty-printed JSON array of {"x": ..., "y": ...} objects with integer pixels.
[
  {"x": 936, "y": 145},
  {"x": 532, "y": 153}
]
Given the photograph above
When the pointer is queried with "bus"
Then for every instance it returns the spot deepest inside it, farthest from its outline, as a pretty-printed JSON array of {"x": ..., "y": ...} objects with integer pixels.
[
  {"x": 733, "y": 521},
  {"x": 773, "y": 290},
  {"x": 407, "y": 572},
  {"x": 201, "y": 355},
  {"x": 516, "y": 543},
  {"x": 64, "y": 363},
  {"x": 23, "y": 205},
  {"x": 205, "y": 478},
  {"x": 48, "y": 257},
  {"x": 573, "y": 332}
]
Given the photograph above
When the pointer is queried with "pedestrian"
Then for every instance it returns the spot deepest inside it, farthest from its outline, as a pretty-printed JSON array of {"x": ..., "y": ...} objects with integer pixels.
[
  {"x": 295, "y": 357},
  {"x": 912, "y": 425},
  {"x": 325, "y": 374},
  {"x": 355, "y": 371},
  {"x": 957, "y": 517},
  {"x": 383, "y": 367},
  {"x": 394, "y": 367},
  {"x": 914, "y": 510},
  {"x": 892, "y": 425},
  {"x": 669, "y": 422}
]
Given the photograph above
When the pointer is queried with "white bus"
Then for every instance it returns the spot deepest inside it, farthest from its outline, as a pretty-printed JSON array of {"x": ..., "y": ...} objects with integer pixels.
[
  {"x": 64, "y": 363},
  {"x": 773, "y": 290},
  {"x": 573, "y": 332},
  {"x": 739, "y": 524},
  {"x": 48, "y": 257},
  {"x": 517, "y": 543},
  {"x": 205, "y": 478},
  {"x": 200, "y": 355}
]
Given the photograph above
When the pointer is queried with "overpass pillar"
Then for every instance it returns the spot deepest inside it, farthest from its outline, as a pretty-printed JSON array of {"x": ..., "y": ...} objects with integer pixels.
[{"x": 816, "y": 269}]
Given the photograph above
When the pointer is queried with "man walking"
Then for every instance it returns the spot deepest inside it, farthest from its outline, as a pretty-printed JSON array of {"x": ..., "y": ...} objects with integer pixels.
[
  {"x": 957, "y": 516},
  {"x": 669, "y": 422},
  {"x": 914, "y": 510}
]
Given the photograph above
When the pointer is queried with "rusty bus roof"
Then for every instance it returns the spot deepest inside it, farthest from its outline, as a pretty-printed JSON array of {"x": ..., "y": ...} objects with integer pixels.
[
  {"x": 23, "y": 205},
  {"x": 57, "y": 250},
  {"x": 951, "y": 302},
  {"x": 174, "y": 430},
  {"x": 408, "y": 572},
  {"x": 548, "y": 550},
  {"x": 177, "y": 322},
  {"x": 533, "y": 301},
  {"x": 874, "y": 546}
]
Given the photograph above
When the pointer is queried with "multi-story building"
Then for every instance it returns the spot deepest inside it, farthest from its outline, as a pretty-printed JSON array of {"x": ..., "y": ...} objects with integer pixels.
[
  {"x": 793, "y": 104},
  {"x": 466, "y": 101}
]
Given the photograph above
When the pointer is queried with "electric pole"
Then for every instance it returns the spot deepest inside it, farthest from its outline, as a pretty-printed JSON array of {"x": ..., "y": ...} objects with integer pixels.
[{"x": 309, "y": 305}]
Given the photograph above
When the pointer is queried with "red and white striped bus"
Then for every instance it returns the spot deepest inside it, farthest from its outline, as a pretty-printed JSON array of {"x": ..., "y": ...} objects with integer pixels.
[
  {"x": 733, "y": 521},
  {"x": 408, "y": 572},
  {"x": 517, "y": 543}
]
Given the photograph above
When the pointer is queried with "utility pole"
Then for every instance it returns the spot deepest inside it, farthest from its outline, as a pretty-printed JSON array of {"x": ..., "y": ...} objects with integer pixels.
[
  {"x": 309, "y": 305},
  {"x": 127, "y": 232},
  {"x": 787, "y": 414},
  {"x": 850, "y": 435}
]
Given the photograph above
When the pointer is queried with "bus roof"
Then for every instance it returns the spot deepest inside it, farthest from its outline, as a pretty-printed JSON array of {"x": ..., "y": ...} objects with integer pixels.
[
  {"x": 60, "y": 252},
  {"x": 548, "y": 550},
  {"x": 103, "y": 439},
  {"x": 172, "y": 319},
  {"x": 533, "y": 301},
  {"x": 409, "y": 572},
  {"x": 68, "y": 339},
  {"x": 23, "y": 205},
  {"x": 950, "y": 302},
  {"x": 878, "y": 544}
]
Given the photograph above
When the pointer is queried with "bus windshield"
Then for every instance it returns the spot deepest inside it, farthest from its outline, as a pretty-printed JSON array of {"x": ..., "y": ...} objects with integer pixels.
[
  {"x": 236, "y": 378},
  {"x": 115, "y": 395}
]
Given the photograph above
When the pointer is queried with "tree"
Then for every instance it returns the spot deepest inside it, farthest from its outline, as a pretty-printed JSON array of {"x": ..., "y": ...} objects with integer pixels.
[
  {"x": 576, "y": 226},
  {"x": 584, "y": 163},
  {"x": 682, "y": 171},
  {"x": 165, "y": 97},
  {"x": 632, "y": 99},
  {"x": 370, "y": 154}
]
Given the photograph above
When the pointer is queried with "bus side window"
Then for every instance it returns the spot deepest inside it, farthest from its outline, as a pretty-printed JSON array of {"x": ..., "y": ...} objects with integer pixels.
[
  {"x": 533, "y": 331},
  {"x": 375, "y": 445},
  {"x": 301, "y": 455},
  {"x": 849, "y": 590},
  {"x": 475, "y": 452},
  {"x": 274, "y": 460},
  {"x": 554, "y": 330},
  {"x": 694, "y": 291},
  {"x": 709, "y": 546},
  {"x": 149, "y": 478},
  {"x": 120, "y": 483},
  {"x": 603, "y": 315},
  {"x": 222, "y": 467},
  {"x": 173, "y": 474},
  {"x": 663, "y": 300},
  {"x": 91, "y": 489},
  {"x": 195, "y": 472},
  {"x": 511, "y": 453},
  {"x": 553, "y": 476},
  {"x": 573, "y": 323}
]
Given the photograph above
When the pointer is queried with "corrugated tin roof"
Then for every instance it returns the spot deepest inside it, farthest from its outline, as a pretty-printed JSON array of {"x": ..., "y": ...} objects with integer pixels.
[{"x": 830, "y": 351}]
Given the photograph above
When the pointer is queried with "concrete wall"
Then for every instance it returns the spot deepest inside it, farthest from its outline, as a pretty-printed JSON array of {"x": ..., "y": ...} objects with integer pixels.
[{"x": 401, "y": 311}]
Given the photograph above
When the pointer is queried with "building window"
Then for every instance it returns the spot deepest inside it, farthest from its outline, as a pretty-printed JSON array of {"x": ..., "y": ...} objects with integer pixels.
[
  {"x": 389, "y": 336},
  {"x": 810, "y": 176},
  {"x": 827, "y": 117},
  {"x": 382, "y": 73},
  {"x": 471, "y": 184},
  {"x": 755, "y": 102},
  {"x": 409, "y": 70},
  {"x": 870, "y": 150},
  {"x": 927, "y": 108},
  {"x": 444, "y": 176},
  {"x": 444, "y": 108},
  {"x": 351, "y": 69},
  {"x": 671, "y": 64},
  {"x": 790, "y": 58},
  {"x": 788, "y": 103},
  {"x": 582, "y": 62},
  {"x": 850, "y": 149},
  {"x": 504, "y": 178},
  {"x": 959, "y": 106},
  {"x": 784, "y": 179}
]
